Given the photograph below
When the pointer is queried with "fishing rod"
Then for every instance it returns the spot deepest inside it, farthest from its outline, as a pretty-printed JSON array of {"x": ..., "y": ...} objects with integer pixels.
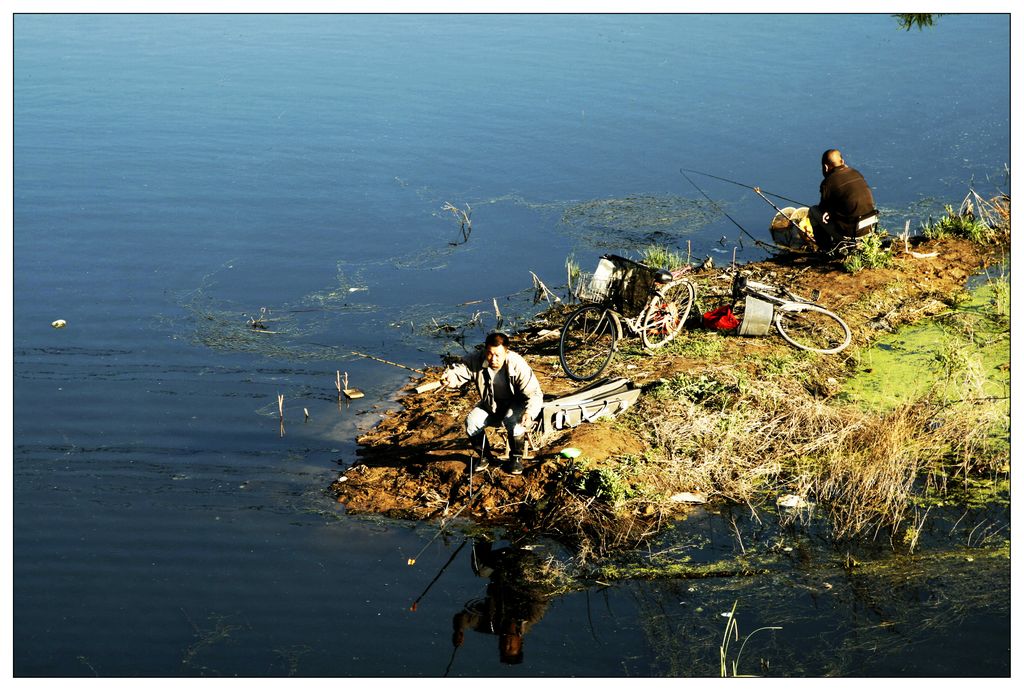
[
  {"x": 472, "y": 495},
  {"x": 451, "y": 660},
  {"x": 749, "y": 187},
  {"x": 723, "y": 212},
  {"x": 416, "y": 602},
  {"x": 387, "y": 362}
]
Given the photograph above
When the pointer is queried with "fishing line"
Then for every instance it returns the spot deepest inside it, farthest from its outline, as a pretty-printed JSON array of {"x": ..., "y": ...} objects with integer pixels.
[
  {"x": 749, "y": 187},
  {"x": 757, "y": 242},
  {"x": 721, "y": 210}
]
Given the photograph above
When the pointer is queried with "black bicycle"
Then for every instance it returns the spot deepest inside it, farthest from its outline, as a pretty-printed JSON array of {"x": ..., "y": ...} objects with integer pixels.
[{"x": 590, "y": 334}]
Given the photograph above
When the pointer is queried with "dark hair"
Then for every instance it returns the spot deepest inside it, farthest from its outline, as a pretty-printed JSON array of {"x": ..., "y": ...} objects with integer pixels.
[
  {"x": 510, "y": 648},
  {"x": 497, "y": 338}
]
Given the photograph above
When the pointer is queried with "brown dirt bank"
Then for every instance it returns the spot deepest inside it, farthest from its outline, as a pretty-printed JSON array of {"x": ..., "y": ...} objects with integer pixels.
[{"x": 413, "y": 464}]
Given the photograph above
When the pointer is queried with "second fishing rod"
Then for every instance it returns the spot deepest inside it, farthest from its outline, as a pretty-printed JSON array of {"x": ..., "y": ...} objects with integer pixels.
[{"x": 761, "y": 194}]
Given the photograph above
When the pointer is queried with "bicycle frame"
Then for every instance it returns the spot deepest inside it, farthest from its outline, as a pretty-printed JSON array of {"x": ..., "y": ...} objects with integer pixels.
[
  {"x": 800, "y": 332},
  {"x": 633, "y": 325},
  {"x": 656, "y": 323},
  {"x": 769, "y": 293}
]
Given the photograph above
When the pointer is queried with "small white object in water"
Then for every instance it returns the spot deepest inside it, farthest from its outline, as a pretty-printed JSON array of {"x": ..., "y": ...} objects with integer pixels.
[
  {"x": 59, "y": 324},
  {"x": 342, "y": 478},
  {"x": 688, "y": 498},
  {"x": 793, "y": 501}
]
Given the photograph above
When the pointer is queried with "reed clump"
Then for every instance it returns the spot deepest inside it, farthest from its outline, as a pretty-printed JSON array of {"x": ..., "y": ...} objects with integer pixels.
[{"x": 984, "y": 221}]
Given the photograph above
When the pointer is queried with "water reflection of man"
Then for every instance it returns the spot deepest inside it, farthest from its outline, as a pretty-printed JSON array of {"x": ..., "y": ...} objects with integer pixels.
[
  {"x": 510, "y": 608},
  {"x": 846, "y": 199}
]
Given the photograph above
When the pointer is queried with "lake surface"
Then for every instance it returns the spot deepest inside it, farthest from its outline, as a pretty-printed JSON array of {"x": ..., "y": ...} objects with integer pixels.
[{"x": 176, "y": 176}]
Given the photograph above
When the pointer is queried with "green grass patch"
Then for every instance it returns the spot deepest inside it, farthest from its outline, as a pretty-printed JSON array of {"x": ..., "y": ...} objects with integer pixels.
[
  {"x": 870, "y": 253},
  {"x": 661, "y": 257},
  {"x": 958, "y": 225},
  {"x": 703, "y": 345}
]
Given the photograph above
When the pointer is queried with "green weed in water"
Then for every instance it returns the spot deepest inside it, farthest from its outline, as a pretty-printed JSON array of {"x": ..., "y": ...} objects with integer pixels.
[
  {"x": 572, "y": 274},
  {"x": 732, "y": 633}
]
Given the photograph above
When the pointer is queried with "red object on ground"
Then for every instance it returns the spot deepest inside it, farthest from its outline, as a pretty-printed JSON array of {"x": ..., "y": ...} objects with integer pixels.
[{"x": 720, "y": 318}]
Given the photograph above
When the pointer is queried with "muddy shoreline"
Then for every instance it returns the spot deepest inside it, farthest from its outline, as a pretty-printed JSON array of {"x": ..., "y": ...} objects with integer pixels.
[{"x": 413, "y": 464}]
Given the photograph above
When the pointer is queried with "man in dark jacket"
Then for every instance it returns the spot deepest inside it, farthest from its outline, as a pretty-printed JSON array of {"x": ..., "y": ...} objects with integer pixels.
[{"x": 846, "y": 200}]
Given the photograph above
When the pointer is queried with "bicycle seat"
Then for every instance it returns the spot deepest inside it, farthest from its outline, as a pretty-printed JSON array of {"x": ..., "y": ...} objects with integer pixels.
[
  {"x": 739, "y": 285},
  {"x": 663, "y": 276}
]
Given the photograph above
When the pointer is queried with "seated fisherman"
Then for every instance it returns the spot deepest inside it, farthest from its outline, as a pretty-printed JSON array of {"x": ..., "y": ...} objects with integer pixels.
[
  {"x": 846, "y": 199},
  {"x": 510, "y": 395}
]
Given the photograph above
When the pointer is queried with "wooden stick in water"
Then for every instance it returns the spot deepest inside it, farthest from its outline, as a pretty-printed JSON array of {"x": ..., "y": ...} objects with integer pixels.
[{"x": 387, "y": 362}]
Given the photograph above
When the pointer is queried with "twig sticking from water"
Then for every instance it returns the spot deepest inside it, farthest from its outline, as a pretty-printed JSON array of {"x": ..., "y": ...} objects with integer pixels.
[
  {"x": 541, "y": 291},
  {"x": 463, "y": 217},
  {"x": 739, "y": 539},
  {"x": 498, "y": 319}
]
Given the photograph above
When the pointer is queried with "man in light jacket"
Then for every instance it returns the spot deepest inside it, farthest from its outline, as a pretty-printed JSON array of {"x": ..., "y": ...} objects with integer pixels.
[{"x": 510, "y": 395}]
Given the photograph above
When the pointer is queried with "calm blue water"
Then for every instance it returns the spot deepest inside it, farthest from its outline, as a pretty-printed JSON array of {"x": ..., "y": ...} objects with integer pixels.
[{"x": 175, "y": 174}]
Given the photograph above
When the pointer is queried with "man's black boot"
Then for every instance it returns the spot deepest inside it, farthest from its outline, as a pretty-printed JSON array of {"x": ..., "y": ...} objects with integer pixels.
[
  {"x": 478, "y": 458},
  {"x": 518, "y": 449}
]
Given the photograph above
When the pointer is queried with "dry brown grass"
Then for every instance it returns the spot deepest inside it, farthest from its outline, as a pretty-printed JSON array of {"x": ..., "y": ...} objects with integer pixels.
[{"x": 863, "y": 468}]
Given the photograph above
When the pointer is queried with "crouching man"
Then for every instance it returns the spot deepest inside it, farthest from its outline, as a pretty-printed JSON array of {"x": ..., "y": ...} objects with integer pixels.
[{"x": 510, "y": 395}]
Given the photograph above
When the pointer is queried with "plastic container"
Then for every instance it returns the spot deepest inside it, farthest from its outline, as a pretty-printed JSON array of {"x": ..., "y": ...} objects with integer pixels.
[{"x": 757, "y": 317}]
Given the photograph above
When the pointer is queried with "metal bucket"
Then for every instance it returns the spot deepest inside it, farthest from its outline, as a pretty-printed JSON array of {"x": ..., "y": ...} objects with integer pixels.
[{"x": 757, "y": 317}]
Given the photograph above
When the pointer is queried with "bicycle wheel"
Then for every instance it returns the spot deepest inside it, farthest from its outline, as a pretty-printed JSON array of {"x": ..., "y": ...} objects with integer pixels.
[
  {"x": 666, "y": 314},
  {"x": 587, "y": 342},
  {"x": 810, "y": 327}
]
